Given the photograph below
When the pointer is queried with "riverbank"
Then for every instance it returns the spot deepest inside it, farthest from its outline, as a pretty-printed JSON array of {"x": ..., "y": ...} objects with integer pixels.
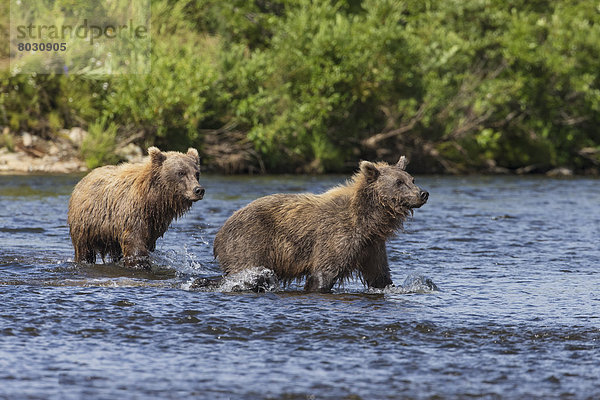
[
  {"x": 31, "y": 154},
  {"x": 27, "y": 153}
]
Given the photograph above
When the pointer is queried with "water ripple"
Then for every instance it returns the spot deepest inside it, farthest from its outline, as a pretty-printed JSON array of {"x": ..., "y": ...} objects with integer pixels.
[{"x": 493, "y": 299}]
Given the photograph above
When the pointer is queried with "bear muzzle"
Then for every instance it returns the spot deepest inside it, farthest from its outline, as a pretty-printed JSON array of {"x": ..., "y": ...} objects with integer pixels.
[
  {"x": 198, "y": 193},
  {"x": 423, "y": 196}
]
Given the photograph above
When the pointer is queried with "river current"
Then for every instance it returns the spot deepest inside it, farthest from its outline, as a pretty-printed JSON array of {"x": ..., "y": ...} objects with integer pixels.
[{"x": 513, "y": 312}]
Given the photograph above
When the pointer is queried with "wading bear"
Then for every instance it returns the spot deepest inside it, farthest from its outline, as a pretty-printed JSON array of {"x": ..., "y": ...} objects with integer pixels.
[
  {"x": 327, "y": 237},
  {"x": 121, "y": 211}
]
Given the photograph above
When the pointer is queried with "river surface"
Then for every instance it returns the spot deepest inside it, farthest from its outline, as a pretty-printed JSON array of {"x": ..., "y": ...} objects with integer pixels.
[{"x": 516, "y": 313}]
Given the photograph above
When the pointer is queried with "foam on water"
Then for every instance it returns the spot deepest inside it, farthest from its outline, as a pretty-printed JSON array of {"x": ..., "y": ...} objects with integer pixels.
[
  {"x": 109, "y": 282},
  {"x": 90, "y": 282}
]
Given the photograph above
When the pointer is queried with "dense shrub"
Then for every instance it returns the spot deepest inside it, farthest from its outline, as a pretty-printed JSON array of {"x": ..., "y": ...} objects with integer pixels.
[{"x": 315, "y": 85}]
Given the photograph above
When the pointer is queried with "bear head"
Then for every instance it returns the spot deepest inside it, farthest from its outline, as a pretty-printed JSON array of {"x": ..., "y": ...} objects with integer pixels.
[
  {"x": 178, "y": 173},
  {"x": 393, "y": 186}
]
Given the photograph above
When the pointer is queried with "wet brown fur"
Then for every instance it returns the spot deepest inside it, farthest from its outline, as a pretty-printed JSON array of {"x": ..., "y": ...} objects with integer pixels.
[
  {"x": 327, "y": 237},
  {"x": 122, "y": 210}
]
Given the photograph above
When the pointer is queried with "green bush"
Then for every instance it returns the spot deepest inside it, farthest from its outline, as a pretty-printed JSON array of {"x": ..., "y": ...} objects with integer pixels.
[
  {"x": 179, "y": 96},
  {"x": 98, "y": 147},
  {"x": 315, "y": 85},
  {"x": 309, "y": 97},
  {"x": 7, "y": 140}
]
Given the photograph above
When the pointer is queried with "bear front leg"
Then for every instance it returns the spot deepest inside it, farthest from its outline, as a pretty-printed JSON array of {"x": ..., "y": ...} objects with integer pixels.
[
  {"x": 135, "y": 253},
  {"x": 374, "y": 266}
]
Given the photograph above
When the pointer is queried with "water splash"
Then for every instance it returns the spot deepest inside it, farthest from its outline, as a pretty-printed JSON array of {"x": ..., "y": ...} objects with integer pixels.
[
  {"x": 414, "y": 283},
  {"x": 182, "y": 260},
  {"x": 257, "y": 279}
]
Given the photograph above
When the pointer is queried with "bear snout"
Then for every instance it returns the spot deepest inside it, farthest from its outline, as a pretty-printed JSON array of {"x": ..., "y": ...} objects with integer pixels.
[
  {"x": 421, "y": 198},
  {"x": 199, "y": 192}
]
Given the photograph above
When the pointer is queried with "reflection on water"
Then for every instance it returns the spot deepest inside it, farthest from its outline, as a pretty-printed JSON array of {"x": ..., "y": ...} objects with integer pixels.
[{"x": 496, "y": 296}]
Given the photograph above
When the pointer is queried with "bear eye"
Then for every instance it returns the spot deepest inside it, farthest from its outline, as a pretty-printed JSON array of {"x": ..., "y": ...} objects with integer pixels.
[
  {"x": 181, "y": 174},
  {"x": 197, "y": 176},
  {"x": 399, "y": 182}
]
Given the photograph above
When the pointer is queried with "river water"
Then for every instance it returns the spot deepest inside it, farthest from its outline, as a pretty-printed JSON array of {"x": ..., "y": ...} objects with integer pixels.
[{"x": 516, "y": 314}]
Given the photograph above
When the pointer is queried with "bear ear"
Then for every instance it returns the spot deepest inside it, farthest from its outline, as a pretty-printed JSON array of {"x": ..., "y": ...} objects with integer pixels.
[
  {"x": 402, "y": 163},
  {"x": 194, "y": 154},
  {"x": 156, "y": 156},
  {"x": 369, "y": 170}
]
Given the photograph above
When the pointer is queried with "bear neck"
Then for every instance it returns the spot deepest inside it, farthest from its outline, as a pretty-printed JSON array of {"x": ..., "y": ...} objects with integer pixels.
[
  {"x": 161, "y": 203},
  {"x": 374, "y": 219}
]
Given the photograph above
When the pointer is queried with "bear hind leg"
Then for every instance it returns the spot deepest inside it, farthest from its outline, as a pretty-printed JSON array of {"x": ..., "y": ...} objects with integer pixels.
[
  {"x": 85, "y": 254},
  {"x": 320, "y": 281}
]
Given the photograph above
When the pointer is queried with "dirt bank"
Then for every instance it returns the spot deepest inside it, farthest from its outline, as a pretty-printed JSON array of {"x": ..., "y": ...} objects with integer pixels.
[{"x": 26, "y": 153}]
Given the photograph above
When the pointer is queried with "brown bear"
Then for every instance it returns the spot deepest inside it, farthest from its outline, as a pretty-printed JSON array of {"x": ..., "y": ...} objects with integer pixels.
[
  {"x": 327, "y": 237},
  {"x": 122, "y": 210}
]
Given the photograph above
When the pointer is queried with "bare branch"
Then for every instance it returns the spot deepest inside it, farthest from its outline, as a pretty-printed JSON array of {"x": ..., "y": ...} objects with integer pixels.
[{"x": 375, "y": 139}]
